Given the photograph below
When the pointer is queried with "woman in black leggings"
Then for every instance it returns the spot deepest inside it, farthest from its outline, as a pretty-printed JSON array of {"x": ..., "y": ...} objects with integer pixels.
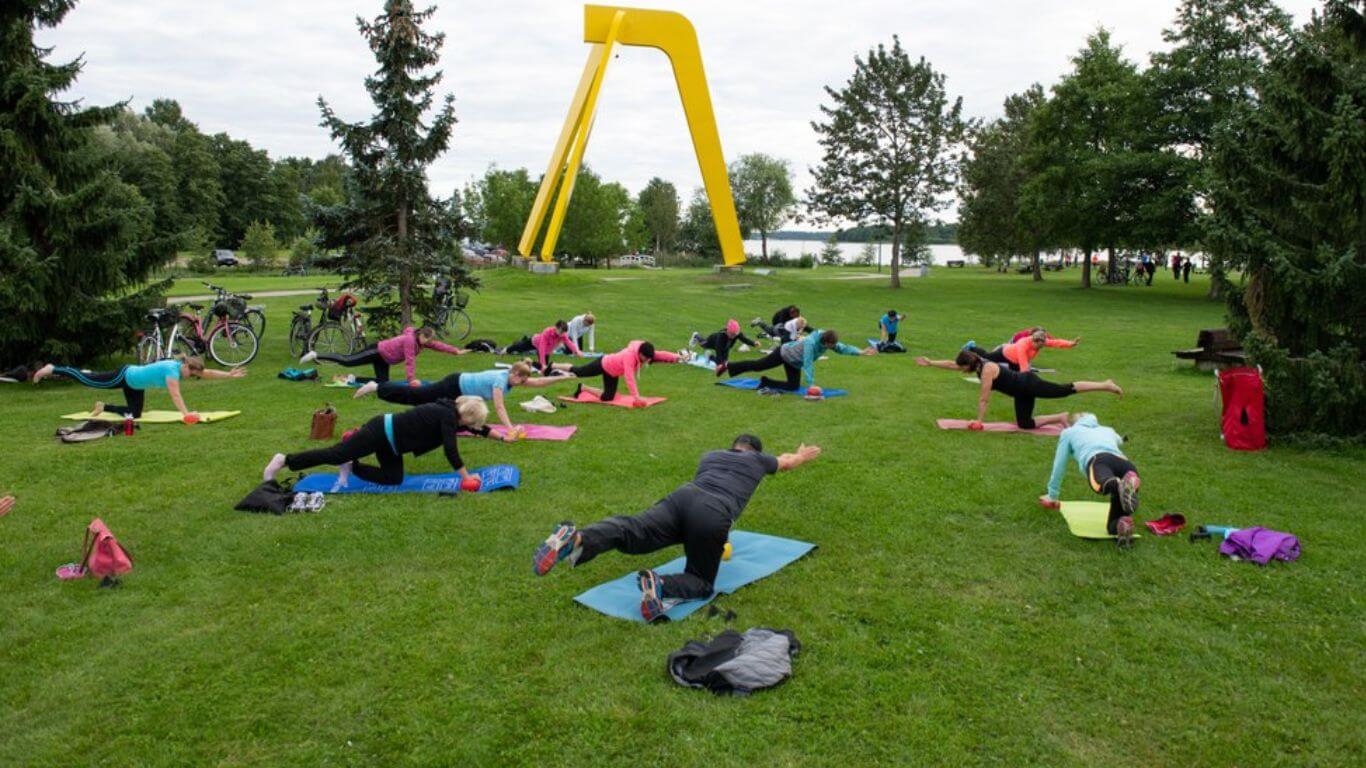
[
  {"x": 1024, "y": 388},
  {"x": 388, "y": 436}
]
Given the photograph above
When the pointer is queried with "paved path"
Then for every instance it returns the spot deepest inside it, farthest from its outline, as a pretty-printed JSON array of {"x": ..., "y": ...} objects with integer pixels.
[{"x": 254, "y": 295}]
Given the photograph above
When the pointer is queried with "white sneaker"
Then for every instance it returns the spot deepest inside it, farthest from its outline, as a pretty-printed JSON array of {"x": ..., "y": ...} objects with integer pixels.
[
  {"x": 308, "y": 357},
  {"x": 366, "y": 389},
  {"x": 695, "y": 340}
]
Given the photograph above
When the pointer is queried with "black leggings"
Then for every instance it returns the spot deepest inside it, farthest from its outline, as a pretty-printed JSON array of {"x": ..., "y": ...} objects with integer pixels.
[
  {"x": 522, "y": 346},
  {"x": 1104, "y": 473},
  {"x": 688, "y": 516},
  {"x": 369, "y": 439},
  {"x": 368, "y": 356},
  {"x": 998, "y": 356},
  {"x": 767, "y": 362},
  {"x": 399, "y": 392},
  {"x": 1036, "y": 388},
  {"x": 594, "y": 368},
  {"x": 720, "y": 347},
  {"x": 108, "y": 380}
]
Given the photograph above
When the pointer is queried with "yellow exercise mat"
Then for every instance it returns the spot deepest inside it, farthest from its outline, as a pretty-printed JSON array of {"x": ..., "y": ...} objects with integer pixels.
[
  {"x": 155, "y": 417},
  {"x": 1086, "y": 519}
]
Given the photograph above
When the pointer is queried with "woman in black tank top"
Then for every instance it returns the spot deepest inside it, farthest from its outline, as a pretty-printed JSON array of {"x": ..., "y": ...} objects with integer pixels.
[{"x": 1024, "y": 388}]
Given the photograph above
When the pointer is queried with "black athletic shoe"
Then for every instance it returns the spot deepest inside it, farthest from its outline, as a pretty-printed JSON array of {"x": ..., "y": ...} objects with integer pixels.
[
  {"x": 721, "y": 369},
  {"x": 578, "y": 391}
]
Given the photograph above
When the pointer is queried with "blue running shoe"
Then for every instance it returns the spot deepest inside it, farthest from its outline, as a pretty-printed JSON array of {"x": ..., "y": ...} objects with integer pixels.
[
  {"x": 651, "y": 602},
  {"x": 560, "y": 545}
]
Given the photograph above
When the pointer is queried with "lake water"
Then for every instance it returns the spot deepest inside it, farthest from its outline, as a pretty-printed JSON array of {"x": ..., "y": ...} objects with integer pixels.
[{"x": 850, "y": 251}]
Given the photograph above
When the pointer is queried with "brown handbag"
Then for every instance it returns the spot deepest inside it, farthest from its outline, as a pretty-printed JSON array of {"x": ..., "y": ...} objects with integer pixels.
[{"x": 324, "y": 422}]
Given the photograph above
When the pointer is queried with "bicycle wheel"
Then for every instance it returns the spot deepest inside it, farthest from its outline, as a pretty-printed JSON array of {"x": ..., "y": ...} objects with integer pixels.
[
  {"x": 148, "y": 350},
  {"x": 330, "y": 339},
  {"x": 299, "y": 329},
  {"x": 184, "y": 347},
  {"x": 257, "y": 320},
  {"x": 233, "y": 345},
  {"x": 457, "y": 325}
]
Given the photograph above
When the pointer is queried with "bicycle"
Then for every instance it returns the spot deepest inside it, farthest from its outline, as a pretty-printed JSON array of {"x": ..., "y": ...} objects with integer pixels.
[
  {"x": 450, "y": 319},
  {"x": 251, "y": 314},
  {"x": 301, "y": 324},
  {"x": 153, "y": 345},
  {"x": 230, "y": 343},
  {"x": 341, "y": 332}
]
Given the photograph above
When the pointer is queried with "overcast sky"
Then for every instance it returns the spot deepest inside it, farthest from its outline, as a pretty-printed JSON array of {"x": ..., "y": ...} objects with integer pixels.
[{"x": 254, "y": 68}]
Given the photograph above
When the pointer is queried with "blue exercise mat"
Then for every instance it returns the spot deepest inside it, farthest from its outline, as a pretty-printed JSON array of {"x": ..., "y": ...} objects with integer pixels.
[
  {"x": 753, "y": 556},
  {"x": 747, "y": 383},
  {"x": 495, "y": 478}
]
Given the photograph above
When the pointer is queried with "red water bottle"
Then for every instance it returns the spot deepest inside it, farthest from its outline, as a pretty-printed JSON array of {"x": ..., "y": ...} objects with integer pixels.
[{"x": 128, "y": 425}]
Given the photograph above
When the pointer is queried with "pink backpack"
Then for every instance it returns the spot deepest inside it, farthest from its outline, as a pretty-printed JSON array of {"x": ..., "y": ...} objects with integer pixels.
[{"x": 101, "y": 555}]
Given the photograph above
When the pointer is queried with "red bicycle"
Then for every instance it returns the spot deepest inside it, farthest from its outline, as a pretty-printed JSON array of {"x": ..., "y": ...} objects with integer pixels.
[{"x": 229, "y": 342}]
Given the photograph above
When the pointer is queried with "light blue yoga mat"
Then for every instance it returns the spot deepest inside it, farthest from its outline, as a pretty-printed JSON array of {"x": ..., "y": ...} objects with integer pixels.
[
  {"x": 700, "y": 361},
  {"x": 495, "y": 478},
  {"x": 747, "y": 383},
  {"x": 753, "y": 556}
]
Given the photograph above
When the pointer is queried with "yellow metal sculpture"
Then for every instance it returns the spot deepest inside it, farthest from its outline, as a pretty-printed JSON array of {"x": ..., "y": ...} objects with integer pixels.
[{"x": 605, "y": 27}]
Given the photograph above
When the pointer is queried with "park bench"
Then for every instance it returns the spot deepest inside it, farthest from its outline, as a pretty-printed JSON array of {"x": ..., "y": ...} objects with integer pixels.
[{"x": 1214, "y": 347}]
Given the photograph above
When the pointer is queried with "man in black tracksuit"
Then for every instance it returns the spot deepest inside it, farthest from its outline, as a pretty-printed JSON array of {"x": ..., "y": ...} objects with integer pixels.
[
  {"x": 698, "y": 515},
  {"x": 774, "y": 329}
]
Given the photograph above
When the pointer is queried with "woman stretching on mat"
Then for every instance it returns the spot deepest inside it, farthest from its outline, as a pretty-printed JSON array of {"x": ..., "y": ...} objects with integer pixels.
[
  {"x": 403, "y": 347},
  {"x": 491, "y": 386},
  {"x": 135, "y": 380},
  {"x": 389, "y": 436},
  {"x": 721, "y": 342},
  {"x": 697, "y": 515},
  {"x": 618, "y": 365},
  {"x": 781, "y": 317},
  {"x": 544, "y": 345},
  {"x": 798, "y": 359},
  {"x": 582, "y": 327},
  {"x": 1023, "y": 348},
  {"x": 888, "y": 324},
  {"x": 1025, "y": 388},
  {"x": 1108, "y": 470}
]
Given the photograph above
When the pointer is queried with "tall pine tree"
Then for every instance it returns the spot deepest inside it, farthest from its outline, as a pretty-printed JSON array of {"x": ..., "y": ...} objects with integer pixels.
[
  {"x": 392, "y": 232},
  {"x": 77, "y": 244}
]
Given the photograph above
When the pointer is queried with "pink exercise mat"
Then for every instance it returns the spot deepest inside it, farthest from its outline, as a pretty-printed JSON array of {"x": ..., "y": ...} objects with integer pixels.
[
  {"x": 1051, "y": 430},
  {"x": 621, "y": 400},
  {"x": 538, "y": 432}
]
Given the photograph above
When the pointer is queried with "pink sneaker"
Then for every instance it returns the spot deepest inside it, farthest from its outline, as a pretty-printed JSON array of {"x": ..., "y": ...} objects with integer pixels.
[{"x": 71, "y": 571}]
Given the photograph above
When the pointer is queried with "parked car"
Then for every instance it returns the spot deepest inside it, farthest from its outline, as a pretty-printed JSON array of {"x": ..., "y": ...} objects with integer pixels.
[{"x": 224, "y": 258}]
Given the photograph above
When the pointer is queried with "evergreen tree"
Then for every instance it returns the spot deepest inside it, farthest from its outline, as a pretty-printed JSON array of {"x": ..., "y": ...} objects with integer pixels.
[
  {"x": 830, "y": 253},
  {"x": 77, "y": 244},
  {"x": 392, "y": 232},
  {"x": 763, "y": 194},
  {"x": 658, "y": 204},
  {"x": 1289, "y": 212},
  {"x": 889, "y": 144}
]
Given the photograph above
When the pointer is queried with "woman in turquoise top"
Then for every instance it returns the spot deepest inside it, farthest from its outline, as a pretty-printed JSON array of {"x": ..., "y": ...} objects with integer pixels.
[
  {"x": 490, "y": 385},
  {"x": 135, "y": 380}
]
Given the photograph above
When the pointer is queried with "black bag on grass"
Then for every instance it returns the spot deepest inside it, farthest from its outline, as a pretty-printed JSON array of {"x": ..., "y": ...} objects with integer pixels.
[
  {"x": 269, "y": 496},
  {"x": 90, "y": 429},
  {"x": 482, "y": 345},
  {"x": 735, "y": 663}
]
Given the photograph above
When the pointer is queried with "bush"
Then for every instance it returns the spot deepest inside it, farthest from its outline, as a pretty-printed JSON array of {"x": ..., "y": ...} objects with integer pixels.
[
  {"x": 807, "y": 261},
  {"x": 304, "y": 251},
  {"x": 201, "y": 263},
  {"x": 258, "y": 245}
]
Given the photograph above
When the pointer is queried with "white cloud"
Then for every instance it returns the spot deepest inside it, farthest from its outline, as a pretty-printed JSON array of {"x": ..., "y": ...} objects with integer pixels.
[{"x": 255, "y": 68}]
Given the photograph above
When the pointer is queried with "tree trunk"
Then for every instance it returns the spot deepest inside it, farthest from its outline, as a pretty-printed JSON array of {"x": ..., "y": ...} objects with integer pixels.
[
  {"x": 763, "y": 244},
  {"x": 405, "y": 279},
  {"x": 1038, "y": 272},
  {"x": 1086, "y": 267},
  {"x": 896, "y": 254},
  {"x": 1216, "y": 275},
  {"x": 1110, "y": 266}
]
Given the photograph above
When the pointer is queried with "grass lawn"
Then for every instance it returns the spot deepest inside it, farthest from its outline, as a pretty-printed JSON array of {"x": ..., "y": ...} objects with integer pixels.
[{"x": 945, "y": 618}]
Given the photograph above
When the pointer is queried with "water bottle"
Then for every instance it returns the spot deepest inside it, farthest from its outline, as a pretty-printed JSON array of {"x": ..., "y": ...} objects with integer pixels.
[{"x": 128, "y": 425}]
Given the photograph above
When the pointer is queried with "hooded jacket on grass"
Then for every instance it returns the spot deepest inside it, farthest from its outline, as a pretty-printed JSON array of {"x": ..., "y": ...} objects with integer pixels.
[{"x": 1082, "y": 440}]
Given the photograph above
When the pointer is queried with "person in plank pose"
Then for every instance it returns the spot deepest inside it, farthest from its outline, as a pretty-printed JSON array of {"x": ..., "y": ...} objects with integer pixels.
[
  {"x": 720, "y": 343},
  {"x": 1022, "y": 348},
  {"x": 797, "y": 358},
  {"x": 544, "y": 345},
  {"x": 618, "y": 365},
  {"x": 582, "y": 327},
  {"x": 135, "y": 380},
  {"x": 697, "y": 514},
  {"x": 491, "y": 386},
  {"x": 1105, "y": 467},
  {"x": 388, "y": 436},
  {"x": 887, "y": 326},
  {"x": 404, "y": 348},
  {"x": 780, "y": 318},
  {"x": 1024, "y": 388}
]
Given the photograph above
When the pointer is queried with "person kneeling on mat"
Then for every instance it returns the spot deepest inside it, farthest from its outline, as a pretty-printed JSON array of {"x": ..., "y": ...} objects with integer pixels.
[
  {"x": 1021, "y": 350},
  {"x": 887, "y": 327},
  {"x": 780, "y": 318},
  {"x": 698, "y": 515},
  {"x": 720, "y": 343},
  {"x": 404, "y": 347},
  {"x": 389, "y": 436},
  {"x": 624, "y": 364},
  {"x": 798, "y": 359},
  {"x": 1108, "y": 470},
  {"x": 135, "y": 380},
  {"x": 544, "y": 345},
  {"x": 1024, "y": 388},
  {"x": 490, "y": 385}
]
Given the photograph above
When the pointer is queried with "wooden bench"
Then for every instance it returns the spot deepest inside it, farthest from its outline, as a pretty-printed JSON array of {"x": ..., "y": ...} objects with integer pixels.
[{"x": 1214, "y": 347}]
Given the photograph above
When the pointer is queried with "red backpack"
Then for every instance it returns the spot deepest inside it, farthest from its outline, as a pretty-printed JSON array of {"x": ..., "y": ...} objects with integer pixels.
[
  {"x": 102, "y": 554},
  {"x": 1244, "y": 420}
]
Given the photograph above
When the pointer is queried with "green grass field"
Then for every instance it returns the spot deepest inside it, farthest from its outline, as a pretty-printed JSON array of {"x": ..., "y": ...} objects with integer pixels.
[{"x": 946, "y": 619}]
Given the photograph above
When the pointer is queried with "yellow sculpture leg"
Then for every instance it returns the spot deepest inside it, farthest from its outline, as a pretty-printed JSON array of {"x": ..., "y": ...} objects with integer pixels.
[{"x": 672, "y": 33}]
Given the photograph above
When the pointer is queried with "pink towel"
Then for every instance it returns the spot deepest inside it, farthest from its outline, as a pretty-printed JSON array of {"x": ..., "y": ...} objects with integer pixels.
[
  {"x": 1051, "y": 430},
  {"x": 622, "y": 400}
]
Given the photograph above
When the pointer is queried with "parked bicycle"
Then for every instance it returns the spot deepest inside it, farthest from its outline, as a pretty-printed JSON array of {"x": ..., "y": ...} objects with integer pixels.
[
  {"x": 236, "y": 303},
  {"x": 232, "y": 343},
  {"x": 450, "y": 319},
  {"x": 301, "y": 324},
  {"x": 341, "y": 330},
  {"x": 159, "y": 340}
]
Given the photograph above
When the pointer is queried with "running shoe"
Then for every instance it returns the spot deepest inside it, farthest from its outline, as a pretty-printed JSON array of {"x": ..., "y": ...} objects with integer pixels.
[
  {"x": 651, "y": 601},
  {"x": 1124, "y": 532},
  {"x": 1128, "y": 493},
  {"x": 695, "y": 340},
  {"x": 308, "y": 357},
  {"x": 560, "y": 545}
]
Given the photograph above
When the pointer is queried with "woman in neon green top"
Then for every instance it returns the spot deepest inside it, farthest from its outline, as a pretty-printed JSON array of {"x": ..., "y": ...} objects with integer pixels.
[{"x": 135, "y": 380}]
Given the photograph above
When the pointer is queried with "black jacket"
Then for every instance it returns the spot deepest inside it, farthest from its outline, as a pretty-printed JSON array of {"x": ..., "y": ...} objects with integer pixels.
[
  {"x": 421, "y": 429},
  {"x": 721, "y": 340},
  {"x": 783, "y": 315}
]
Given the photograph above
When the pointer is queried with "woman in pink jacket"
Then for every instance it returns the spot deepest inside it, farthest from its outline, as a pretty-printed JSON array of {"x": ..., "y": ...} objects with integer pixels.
[
  {"x": 401, "y": 348},
  {"x": 544, "y": 344},
  {"x": 618, "y": 365}
]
